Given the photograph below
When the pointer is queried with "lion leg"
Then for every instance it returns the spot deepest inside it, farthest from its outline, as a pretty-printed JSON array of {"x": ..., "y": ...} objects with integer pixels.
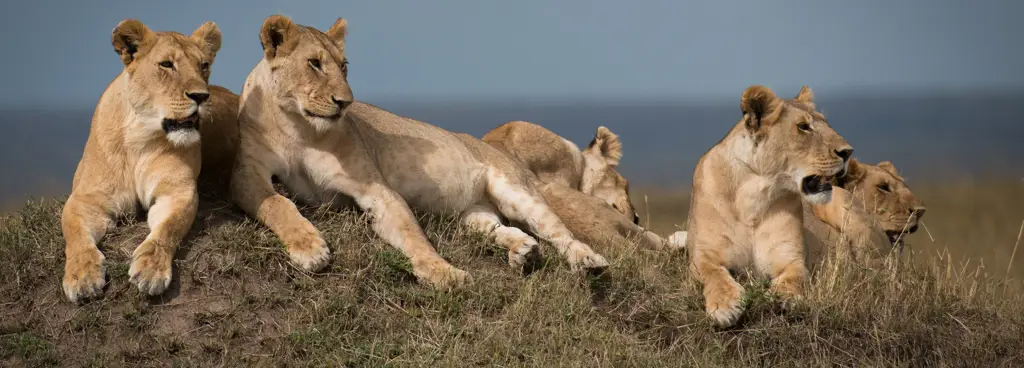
[
  {"x": 522, "y": 204},
  {"x": 253, "y": 191},
  {"x": 522, "y": 248},
  {"x": 722, "y": 294},
  {"x": 169, "y": 218},
  {"x": 779, "y": 253},
  {"x": 83, "y": 225},
  {"x": 393, "y": 221}
]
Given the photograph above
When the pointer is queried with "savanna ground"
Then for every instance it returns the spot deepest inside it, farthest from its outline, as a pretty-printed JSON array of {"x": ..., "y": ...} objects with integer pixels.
[{"x": 236, "y": 300}]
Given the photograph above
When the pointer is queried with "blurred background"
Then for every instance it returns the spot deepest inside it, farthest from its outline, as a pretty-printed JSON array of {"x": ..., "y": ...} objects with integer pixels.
[{"x": 934, "y": 86}]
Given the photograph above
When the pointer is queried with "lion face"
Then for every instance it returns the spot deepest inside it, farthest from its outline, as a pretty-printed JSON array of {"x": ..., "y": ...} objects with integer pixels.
[
  {"x": 792, "y": 139},
  {"x": 309, "y": 68},
  {"x": 601, "y": 178},
  {"x": 167, "y": 76},
  {"x": 886, "y": 196}
]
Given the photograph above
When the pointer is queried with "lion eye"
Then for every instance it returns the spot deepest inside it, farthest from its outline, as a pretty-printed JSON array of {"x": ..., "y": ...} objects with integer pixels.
[
  {"x": 804, "y": 127},
  {"x": 344, "y": 67},
  {"x": 315, "y": 63},
  {"x": 167, "y": 64},
  {"x": 204, "y": 66},
  {"x": 884, "y": 187}
]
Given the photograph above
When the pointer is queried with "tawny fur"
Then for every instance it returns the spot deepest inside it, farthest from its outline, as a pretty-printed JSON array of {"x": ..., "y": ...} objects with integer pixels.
[
  {"x": 129, "y": 160},
  {"x": 593, "y": 171},
  {"x": 603, "y": 215},
  {"x": 871, "y": 212},
  {"x": 299, "y": 123},
  {"x": 746, "y": 206}
]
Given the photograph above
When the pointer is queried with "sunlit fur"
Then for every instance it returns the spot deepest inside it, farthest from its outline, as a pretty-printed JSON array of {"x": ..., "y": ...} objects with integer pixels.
[
  {"x": 130, "y": 160},
  {"x": 747, "y": 199},
  {"x": 300, "y": 124}
]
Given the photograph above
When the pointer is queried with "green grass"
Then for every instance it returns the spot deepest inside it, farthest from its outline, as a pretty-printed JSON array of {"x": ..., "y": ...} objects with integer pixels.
[{"x": 236, "y": 300}]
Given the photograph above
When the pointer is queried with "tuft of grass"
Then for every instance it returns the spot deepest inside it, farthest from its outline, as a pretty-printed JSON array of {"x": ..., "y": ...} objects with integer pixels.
[{"x": 236, "y": 300}]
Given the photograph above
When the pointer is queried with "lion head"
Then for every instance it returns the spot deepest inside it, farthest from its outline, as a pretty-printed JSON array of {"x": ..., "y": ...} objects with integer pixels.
[
  {"x": 309, "y": 68},
  {"x": 885, "y": 195},
  {"x": 791, "y": 138},
  {"x": 167, "y": 76},
  {"x": 601, "y": 178}
]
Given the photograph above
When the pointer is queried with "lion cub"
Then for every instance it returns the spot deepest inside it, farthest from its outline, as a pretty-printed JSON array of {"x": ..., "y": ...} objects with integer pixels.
[
  {"x": 747, "y": 195},
  {"x": 300, "y": 123},
  {"x": 144, "y": 149}
]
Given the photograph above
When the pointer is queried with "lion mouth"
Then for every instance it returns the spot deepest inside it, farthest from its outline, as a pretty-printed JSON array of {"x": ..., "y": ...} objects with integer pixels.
[
  {"x": 334, "y": 116},
  {"x": 898, "y": 235},
  {"x": 189, "y": 123},
  {"x": 815, "y": 184}
]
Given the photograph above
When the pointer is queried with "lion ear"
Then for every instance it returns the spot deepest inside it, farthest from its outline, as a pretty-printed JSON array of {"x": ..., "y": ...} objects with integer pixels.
[
  {"x": 208, "y": 38},
  {"x": 277, "y": 36},
  {"x": 606, "y": 145},
  {"x": 131, "y": 39},
  {"x": 806, "y": 96},
  {"x": 760, "y": 107},
  {"x": 889, "y": 167},
  {"x": 338, "y": 31}
]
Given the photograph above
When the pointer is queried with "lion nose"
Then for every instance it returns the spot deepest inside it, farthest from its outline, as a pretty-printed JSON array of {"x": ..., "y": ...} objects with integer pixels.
[
  {"x": 198, "y": 97},
  {"x": 918, "y": 210},
  {"x": 845, "y": 153},
  {"x": 342, "y": 104}
]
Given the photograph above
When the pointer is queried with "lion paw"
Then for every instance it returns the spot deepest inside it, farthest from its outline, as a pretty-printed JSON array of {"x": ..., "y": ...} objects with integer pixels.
[
  {"x": 312, "y": 255},
  {"x": 725, "y": 306},
  {"x": 442, "y": 275},
  {"x": 526, "y": 256},
  {"x": 586, "y": 259},
  {"x": 84, "y": 276},
  {"x": 150, "y": 270},
  {"x": 677, "y": 240}
]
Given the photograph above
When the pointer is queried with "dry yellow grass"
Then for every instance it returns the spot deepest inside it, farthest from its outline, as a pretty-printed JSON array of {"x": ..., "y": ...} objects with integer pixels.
[{"x": 237, "y": 301}]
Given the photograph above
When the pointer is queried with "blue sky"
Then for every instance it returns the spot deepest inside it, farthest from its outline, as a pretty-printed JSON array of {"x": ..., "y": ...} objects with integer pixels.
[{"x": 60, "y": 52}]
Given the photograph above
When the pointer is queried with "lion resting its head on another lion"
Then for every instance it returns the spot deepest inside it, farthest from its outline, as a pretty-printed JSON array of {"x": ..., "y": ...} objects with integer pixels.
[
  {"x": 554, "y": 159},
  {"x": 144, "y": 149},
  {"x": 748, "y": 193},
  {"x": 300, "y": 123},
  {"x": 602, "y": 214}
]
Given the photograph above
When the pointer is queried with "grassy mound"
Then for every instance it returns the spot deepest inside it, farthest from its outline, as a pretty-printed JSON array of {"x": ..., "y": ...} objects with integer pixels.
[{"x": 236, "y": 300}]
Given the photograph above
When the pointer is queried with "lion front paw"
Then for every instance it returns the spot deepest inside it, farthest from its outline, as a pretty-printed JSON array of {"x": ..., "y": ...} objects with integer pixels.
[
  {"x": 311, "y": 254},
  {"x": 789, "y": 292},
  {"x": 526, "y": 257},
  {"x": 725, "y": 305},
  {"x": 677, "y": 240},
  {"x": 441, "y": 275},
  {"x": 150, "y": 270},
  {"x": 84, "y": 276},
  {"x": 581, "y": 257}
]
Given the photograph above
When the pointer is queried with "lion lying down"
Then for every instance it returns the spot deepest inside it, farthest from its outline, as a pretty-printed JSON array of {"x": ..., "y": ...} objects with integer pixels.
[
  {"x": 583, "y": 187},
  {"x": 300, "y": 123},
  {"x": 144, "y": 150},
  {"x": 871, "y": 213}
]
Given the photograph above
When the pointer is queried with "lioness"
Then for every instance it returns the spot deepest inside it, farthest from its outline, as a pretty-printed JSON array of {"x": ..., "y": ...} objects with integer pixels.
[
  {"x": 872, "y": 210},
  {"x": 144, "y": 149},
  {"x": 746, "y": 199},
  {"x": 566, "y": 171},
  {"x": 300, "y": 123},
  {"x": 554, "y": 159}
]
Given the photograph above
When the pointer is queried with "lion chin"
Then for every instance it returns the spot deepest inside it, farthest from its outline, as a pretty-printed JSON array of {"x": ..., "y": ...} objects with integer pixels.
[{"x": 182, "y": 132}]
